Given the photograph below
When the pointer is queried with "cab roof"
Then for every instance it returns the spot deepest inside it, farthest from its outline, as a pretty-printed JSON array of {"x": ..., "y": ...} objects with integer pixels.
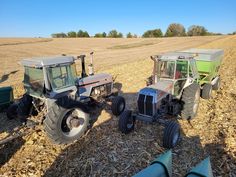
[
  {"x": 47, "y": 61},
  {"x": 174, "y": 56},
  {"x": 205, "y": 54}
]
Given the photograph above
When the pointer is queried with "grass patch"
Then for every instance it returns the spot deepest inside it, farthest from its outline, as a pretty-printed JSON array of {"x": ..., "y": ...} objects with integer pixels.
[{"x": 29, "y": 41}]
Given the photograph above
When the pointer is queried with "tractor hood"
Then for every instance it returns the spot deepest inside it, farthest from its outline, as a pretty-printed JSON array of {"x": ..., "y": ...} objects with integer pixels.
[
  {"x": 150, "y": 97},
  {"x": 87, "y": 84},
  {"x": 101, "y": 78},
  {"x": 158, "y": 90}
]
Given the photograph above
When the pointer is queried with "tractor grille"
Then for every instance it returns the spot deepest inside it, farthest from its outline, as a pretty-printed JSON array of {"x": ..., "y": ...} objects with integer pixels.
[
  {"x": 149, "y": 105},
  {"x": 109, "y": 88},
  {"x": 141, "y": 100},
  {"x": 145, "y": 105}
]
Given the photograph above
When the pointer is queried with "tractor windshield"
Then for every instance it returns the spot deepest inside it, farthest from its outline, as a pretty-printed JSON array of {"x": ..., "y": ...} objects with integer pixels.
[
  {"x": 33, "y": 81},
  {"x": 62, "y": 76},
  {"x": 166, "y": 69}
]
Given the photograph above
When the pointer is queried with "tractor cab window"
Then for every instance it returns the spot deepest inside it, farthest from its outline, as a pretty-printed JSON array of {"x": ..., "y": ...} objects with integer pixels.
[
  {"x": 166, "y": 69},
  {"x": 34, "y": 81},
  {"x": 61, "y": 77},
  {"x": 181, "y": 69},
  {"x": 181, "y": 75},
  {"x": 193, "y": 69}
]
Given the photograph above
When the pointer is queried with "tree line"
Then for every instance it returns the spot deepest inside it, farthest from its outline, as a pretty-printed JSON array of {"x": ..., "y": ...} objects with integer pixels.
[{"x": 173, "y": 30}]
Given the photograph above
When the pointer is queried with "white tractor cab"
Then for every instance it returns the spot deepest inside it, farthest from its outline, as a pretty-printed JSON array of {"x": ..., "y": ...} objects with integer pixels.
[{"x": 66, "y": 98}]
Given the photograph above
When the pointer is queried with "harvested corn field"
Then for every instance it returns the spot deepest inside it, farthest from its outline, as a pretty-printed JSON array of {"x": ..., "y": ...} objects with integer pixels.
[{"x": 104, "y": 151}]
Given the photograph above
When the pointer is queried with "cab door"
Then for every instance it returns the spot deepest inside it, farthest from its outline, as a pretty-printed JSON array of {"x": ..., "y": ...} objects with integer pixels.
[{"x": 181, "y": 75}]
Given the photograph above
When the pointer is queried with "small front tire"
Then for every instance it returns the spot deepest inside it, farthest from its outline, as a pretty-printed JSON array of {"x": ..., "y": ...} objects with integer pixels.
[
  {"x": 126, "y": 122},
  {"x": 171, "y": 135},
  {"x": 118, "y": 105}
]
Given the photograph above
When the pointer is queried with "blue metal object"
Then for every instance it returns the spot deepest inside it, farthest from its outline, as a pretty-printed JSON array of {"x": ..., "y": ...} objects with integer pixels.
[
  {"x": 203, "y": 169},
  {"x": 160, "y": 167}
]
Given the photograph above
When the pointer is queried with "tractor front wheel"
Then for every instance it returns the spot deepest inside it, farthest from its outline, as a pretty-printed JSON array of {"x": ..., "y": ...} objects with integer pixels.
[
  {"x": 64, "y": 125},
  {"x": 171, "y": 135},
  {"x": 126, "y": 122},
  {"x": 118, "y": 105}
]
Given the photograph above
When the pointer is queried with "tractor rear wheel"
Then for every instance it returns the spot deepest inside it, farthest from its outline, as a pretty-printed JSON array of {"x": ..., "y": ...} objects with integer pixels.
[
  {"x": 118, "y": 105},
  {"x": 65, "y": 125},
  {"x": 171, "y": 135},
  {"x": 206, "y": 91},
  {"x": 216, "y": 86},
  {"x": 12, "y": 111},
  {"x": 126, "y": 122},
  {"x": 190, "y": 101}
]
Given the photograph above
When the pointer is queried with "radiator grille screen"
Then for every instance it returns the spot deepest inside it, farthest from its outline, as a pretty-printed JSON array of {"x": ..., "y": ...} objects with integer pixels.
[
  {"x": 149, "y": 105},
  {"x": 141, "y": 100}
]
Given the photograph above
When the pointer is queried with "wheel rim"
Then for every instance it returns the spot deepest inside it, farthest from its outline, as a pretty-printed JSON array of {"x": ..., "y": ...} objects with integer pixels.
[
  {"x": 72, "y": 123},
  {"x": 130, "y": 123},
  {"x": 196, "y": 101},
  {"x": 218, "y": 84},
  {"x": 121, "y": 107},
  {"x": 175, "y": 139},
  {"x": 210, "y": 91}
]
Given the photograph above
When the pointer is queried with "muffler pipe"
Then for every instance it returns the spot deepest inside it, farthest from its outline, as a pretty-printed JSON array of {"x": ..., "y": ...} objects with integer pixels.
[
  {"x": 82, "y": 58},
  {"x": 90, "y": 66}
]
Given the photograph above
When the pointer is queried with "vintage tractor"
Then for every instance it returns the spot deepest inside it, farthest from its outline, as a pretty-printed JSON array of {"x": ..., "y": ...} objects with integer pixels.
[
  {"x": 52, "y": 86},
  {"x": 173, "y": 90},
  {"x": 175, "y": 87}
]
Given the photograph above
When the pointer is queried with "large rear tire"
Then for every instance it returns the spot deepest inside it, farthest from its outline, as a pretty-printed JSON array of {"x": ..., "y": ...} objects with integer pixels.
[
  {"x": 171, "y": 135},
  {"x": 206, "y": 91},
  {"x": 65, "y": 125},
  {"x": 118, "y": 105},
  {"x": 190, "y": 101},
  {"x": 126, "y": 122}
]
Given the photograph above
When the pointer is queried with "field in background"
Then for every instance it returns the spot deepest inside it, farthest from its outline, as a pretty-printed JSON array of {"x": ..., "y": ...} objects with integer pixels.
[
  {"x": 107, "y": 52},
  {"x": 104, "y": 151}
]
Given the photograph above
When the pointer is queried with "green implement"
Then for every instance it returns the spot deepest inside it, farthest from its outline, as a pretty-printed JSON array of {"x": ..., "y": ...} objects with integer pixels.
[
  {"x": 208, "y": 63},
  {"x": 203, "y": 169},
  {"x": 6, "y": 96},
  {"x": 162, "y": 167}
]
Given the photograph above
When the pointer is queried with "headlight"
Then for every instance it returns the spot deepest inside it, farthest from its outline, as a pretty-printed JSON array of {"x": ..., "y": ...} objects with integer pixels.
[{"x": 97, "y": 91}]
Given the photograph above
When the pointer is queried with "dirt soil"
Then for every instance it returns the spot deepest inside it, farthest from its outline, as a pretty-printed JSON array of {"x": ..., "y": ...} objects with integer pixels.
[{"x": 104, "y": 151}]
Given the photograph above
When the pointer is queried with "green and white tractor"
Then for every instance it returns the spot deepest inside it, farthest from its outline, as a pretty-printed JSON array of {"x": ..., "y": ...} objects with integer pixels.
[{"x": 174, "y": 89}]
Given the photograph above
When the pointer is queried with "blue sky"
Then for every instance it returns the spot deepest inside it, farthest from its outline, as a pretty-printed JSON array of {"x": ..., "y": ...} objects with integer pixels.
[{"x": 31, "y": 18}]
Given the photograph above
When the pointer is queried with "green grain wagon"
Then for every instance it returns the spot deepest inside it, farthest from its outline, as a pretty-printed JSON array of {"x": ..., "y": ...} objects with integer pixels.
[{"x": 208, "y": 64}]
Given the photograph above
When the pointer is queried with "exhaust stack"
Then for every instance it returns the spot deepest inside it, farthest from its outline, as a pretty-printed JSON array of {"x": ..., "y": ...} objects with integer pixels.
[
  {"x": 90, "y": 66},
  {"x": 82, "y": 58}
]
